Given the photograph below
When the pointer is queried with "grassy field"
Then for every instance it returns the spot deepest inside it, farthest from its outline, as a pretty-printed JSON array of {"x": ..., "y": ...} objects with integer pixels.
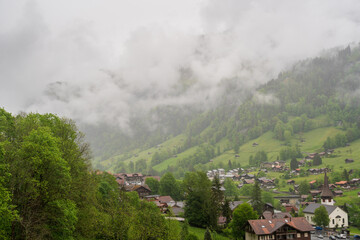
[
  {"x": 354, "y": 231},
  {"x": 348, "y": 197},
  {"x": 200, "y": 232}
]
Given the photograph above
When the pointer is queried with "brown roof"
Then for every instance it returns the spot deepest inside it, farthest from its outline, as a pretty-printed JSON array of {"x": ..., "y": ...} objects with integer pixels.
[
  {"x": 166, "y": 199},
  {"x": 326, "y": 192},
  {"x": 267, "y": 215},
  {"x": 155, "y": 177},
  {"x": 266, "y": 226},
  {"x": 249, "y": 181}
]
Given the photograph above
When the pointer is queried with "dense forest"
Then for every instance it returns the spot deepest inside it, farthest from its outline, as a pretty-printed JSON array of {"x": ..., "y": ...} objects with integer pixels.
[
  {"x": 49, "y": 191},
  {"x": 323, "y": 86}
]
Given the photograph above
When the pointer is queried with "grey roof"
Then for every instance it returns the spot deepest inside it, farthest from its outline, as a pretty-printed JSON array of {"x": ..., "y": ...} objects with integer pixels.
[
  {"x": 312, "y": 207},
  {"x": 234, "y": 204}
]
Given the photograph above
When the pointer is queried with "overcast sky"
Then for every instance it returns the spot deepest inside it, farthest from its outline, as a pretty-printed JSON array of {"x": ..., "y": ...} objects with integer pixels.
[{"x": 106, "y": 60}]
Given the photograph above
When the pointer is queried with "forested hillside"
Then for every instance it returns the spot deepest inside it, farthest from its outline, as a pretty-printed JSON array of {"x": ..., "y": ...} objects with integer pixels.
[{"x": 315, "y": 93}]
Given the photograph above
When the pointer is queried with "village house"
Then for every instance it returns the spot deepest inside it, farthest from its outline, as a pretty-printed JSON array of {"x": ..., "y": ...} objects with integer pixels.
[
  {"x": 338, "y": 193},
  {"x": 142, "y": 190},
  {"x": 354, "y": 182},
  {"x": 272, "y": 215},
  {"x": 290, "y": 182},
  {"x": 283, "y": 228},
  {"x": 342, "y": 184},
  {"x": 349, "y": 160}
]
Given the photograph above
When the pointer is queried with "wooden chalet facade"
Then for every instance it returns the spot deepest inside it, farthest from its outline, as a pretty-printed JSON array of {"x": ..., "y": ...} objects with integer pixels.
[{"x": 278, "y": 229}]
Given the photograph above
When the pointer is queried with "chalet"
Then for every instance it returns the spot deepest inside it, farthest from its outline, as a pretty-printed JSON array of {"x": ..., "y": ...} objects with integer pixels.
[
  {"x": 269, "y": 207},
  {"x": 234, "y": 204},
  {"x": 314, "y": 193},
  {"x": 272, "y": 215},
  {"x": 290, "y": 208},
  {"x": 280, "y": 163},
  {"x": 343, "y": 184},
  {"x": 177, "y": 208},
  {"x": 302, "y": 163},
  {"x": 290, "y": 182},
  {"x": 142, "y": 190},
  {"x": 255, "y": 144},
  {"x": 338, "y": 193},
  {"x": 266, "y": 165},
  {"x": 304, "y": 197},
  {"x": 358, "y": 194},
  {"x": 281, "y": 228},
  {"x": 354, "y": 182},
  {"x": 349, "y": 160},
  {"x": 312, "y": 183},
  {"x": 249, "y": 181},
  {"x": 266, "y": 183}
]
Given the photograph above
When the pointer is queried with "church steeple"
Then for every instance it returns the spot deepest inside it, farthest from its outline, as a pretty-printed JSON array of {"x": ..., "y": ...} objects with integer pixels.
[{"x": 327, "y": 197}]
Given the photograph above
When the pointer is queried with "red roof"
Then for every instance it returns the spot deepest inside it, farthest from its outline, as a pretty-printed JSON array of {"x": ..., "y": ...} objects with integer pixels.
[
  {"x": 341, "y": 183},
  {"x": 312, "y": 182},
  {"x": 268, "y": 226}
]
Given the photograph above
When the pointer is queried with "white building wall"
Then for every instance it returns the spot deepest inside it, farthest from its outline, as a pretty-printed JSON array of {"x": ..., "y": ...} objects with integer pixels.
[
  {"x": 340, "y": 221},
  {"x": 333, "y": 220}
]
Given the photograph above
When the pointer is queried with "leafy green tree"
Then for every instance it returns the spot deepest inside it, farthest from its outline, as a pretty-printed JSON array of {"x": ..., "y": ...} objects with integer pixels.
[
  {"x": 246, "y": 190},
  {"x": 169, "y": 186},
  {"x": 241, "y": 215},
  {"x": 7, "y": 212},
  {"x": 153, "y": 184},
  {"x": 198, "y": 199},
  {"x": 304, "y": 187},
  {"x": 184, "y": 230},
  {"x": 321, "y": 217},
  {"x": 354, "y": 214},
  {"x": 267, "y": 197},
  {"x": 230, "y": 188},
  {"x": 147, "y": 223}
]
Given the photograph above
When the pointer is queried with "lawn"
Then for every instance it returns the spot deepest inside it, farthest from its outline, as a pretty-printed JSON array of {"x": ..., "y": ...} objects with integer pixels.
[
  {"x": 200, "y": 232},
  {"x": 354, "y": 231}
]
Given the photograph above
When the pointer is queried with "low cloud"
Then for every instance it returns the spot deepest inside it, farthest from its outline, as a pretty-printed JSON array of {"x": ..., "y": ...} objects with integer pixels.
[{"x": 78, "y": 72}]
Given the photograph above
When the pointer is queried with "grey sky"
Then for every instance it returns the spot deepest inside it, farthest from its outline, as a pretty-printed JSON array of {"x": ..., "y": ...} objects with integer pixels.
[{"x": 106, "y": 60}]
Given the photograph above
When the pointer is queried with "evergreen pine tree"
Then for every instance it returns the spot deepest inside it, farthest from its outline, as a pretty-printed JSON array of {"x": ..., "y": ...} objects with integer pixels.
[
  {"x": 294, "y": 164},
  {"x": 256, "y": 201},
  {"x": 207, "y": 235}
]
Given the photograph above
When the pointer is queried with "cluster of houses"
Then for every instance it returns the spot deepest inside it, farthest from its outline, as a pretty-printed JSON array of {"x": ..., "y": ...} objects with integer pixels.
[
  {"x": 222, "y": 174},
  {"x": 277, "y": 166},
  {"x": 244, "y": 178}
]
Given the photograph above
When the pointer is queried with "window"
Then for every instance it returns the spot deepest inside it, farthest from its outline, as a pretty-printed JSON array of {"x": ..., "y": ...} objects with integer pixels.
[
  {"x": 343, "y": 220},
  {"x": 298, "y": 235},
  {"x": 306, "y": 235},
  {"x": 333, "y": 221}
]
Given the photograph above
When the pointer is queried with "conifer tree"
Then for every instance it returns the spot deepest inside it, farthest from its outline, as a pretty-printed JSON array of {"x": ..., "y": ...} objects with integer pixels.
[{"x": 256, "y": 201}]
